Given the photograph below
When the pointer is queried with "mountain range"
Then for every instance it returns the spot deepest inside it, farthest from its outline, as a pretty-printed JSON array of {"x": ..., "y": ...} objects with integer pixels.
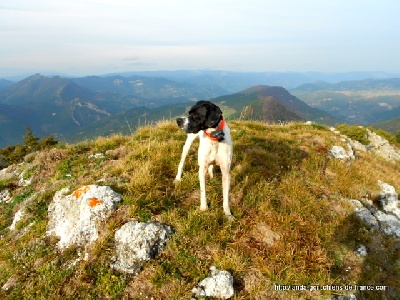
[
  {"x": 363, "y": 102},
  {"x": 60, "y": 106},
  {"x": 266, "y": 103},
  {"x": 76, "y": 108}
]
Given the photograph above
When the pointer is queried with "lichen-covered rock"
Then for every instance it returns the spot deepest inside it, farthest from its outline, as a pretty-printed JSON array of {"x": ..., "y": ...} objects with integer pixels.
[
  {"x": 74, "y": 217},
  {"x": 138, "y": 242},
  {"x": 219, "y": 285}
]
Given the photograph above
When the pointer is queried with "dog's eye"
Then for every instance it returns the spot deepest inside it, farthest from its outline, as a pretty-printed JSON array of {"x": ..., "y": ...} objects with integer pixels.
[{"x": 194, "y": 117}]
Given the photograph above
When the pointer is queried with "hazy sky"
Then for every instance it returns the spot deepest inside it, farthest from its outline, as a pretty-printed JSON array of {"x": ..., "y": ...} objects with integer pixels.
[{"x": 85, "y": 37}]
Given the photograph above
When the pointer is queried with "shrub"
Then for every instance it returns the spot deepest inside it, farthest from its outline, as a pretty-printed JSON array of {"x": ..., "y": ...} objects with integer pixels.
[
  {"x": 15, "y": 153},
  {"x": 354, "y": 132}
]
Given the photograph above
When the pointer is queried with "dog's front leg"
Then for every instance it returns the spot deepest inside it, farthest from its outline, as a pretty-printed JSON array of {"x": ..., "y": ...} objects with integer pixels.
[
  {"x": 226, "y": 182},
  {"x": 202, "y": 180},
  {"x": 189, "y": 141}
]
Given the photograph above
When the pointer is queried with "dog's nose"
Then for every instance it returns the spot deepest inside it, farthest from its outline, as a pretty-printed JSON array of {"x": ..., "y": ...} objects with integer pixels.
[{"x": 180, "y": 122}]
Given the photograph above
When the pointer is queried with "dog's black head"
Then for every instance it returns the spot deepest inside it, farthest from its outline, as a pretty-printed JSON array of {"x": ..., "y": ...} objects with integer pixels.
[{"x": 202, "y": 115}]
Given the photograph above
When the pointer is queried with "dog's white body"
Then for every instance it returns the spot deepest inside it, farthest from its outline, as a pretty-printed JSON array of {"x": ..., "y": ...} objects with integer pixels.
[{"x": 210, "y": 152}]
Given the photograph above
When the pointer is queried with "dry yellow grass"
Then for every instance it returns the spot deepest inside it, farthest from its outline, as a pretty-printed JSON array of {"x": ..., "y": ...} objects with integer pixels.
[{"x": 292, "y": 225}]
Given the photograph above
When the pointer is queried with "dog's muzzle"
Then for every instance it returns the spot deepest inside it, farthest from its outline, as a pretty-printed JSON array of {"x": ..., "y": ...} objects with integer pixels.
[{"x": 181, "y": 122}]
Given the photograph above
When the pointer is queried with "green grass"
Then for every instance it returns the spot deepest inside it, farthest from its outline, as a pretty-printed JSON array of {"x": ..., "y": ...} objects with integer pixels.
[{"x": 282, "y": 179}]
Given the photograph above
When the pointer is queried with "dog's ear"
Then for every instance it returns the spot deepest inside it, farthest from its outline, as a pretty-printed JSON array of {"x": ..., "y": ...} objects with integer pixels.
[
  {"x": 214, "y": 116},
  {"x": 198, "y": 113}
]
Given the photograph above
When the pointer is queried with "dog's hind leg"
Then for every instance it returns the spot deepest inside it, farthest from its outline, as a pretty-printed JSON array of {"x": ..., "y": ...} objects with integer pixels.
[
  {"x": 210, "y": 171},
  {"x": 189, "y": 141}
]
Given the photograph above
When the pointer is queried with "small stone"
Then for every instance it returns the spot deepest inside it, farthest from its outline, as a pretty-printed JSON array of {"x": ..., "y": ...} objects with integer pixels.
[
  {"x": 5, "y": 196},
  {"x": 361, "y": 251},
  {"x": 97, "y": 155},
  {"x": 218, "y": 285},
  {"x": 11, "y": 283}
]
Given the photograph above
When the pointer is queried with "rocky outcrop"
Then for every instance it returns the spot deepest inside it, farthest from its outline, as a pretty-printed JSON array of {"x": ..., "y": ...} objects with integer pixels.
[
  {"x": 386, "y": 219},
  {"x": 378, "y": 145},
  {"x": 382, "y": 147},
  {"x": 218, "y": 285},
  {"x": 138, "y": 242},
  {"x": 74, "y": 217}
]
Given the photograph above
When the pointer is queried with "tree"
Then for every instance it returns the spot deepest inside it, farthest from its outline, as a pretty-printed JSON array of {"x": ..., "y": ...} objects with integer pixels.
[
  {"x": 398, "y": 137},
  {"x": 47, "y": 142},
  {"x": 30, "y": 141}
]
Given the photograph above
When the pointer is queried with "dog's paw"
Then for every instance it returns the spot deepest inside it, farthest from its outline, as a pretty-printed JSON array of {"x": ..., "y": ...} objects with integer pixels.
[
  {"x": 177, "y": 180},
  {"x": 230, "y": 218},
  {"x": 203, "y": 208}
]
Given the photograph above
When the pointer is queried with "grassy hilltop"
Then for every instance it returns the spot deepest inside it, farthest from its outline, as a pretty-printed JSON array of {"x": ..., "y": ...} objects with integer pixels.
[{"x": 292, "y": 224}]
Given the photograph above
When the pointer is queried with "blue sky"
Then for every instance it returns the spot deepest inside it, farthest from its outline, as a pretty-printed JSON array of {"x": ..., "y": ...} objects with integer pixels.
[{"x": 93, "y": 37}]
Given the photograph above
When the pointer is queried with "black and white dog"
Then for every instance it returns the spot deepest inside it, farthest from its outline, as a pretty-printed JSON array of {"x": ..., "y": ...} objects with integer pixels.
[{"x": 205, "y": 121}]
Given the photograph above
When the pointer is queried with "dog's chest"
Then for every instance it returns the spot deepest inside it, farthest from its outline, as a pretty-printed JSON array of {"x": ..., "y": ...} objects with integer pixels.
[{"x": 212, "y": 151}]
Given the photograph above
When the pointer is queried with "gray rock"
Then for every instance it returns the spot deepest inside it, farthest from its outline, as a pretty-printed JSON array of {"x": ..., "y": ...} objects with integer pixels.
[
  {"x": 5, "y": 196},
  {"x": 378, "y": 145},
  {"x": 361, "y": 251},
  {"x": 386, "y": 220},
  {"x": 340, "y": 153},
  {"x": 357, "y": 146},
  {"x": 9, "y": 173},
  {"x": 389, "y": 199},
  {"x": 137, "y": 243},
  {"x": 382, "y": 147},
  {"x": 389, "y": 224},
  {"x": 24, "y": 180},
  {"x": 366, "y": 216},
  {"x": 219, "y": 285},
  {"x": 17, "y": 217},
  {"x": 74, "y": 217}
]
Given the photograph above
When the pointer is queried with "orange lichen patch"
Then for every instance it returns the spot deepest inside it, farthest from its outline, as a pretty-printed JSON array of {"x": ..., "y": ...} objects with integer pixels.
[
  {"x": 79, "y": 192},
  {"x": 94, "y": 201}
]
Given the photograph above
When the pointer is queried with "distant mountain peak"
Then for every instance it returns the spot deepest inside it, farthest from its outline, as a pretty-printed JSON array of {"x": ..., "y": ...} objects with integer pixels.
[{"x": 255, "y": 89}]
